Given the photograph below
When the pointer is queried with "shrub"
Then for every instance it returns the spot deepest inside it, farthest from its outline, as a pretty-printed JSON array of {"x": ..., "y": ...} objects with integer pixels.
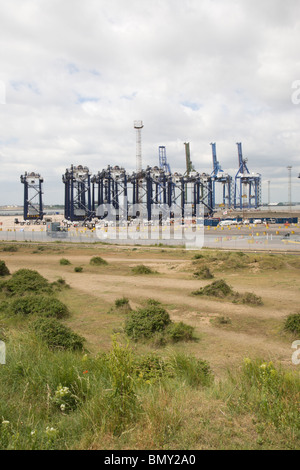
[
  {"x": 250, "y": 298},
  {"x": 217, "y": 288},
  {"x": 194, "y": 371},
  {"x": 78, "y": 269},
  {"x": 203, "y": 273},
  {"x": 26, "y": 281},
  {"x": 144, "y": 322},
  {"x": 198, "y": 256},
  {"x": 4, "y": 271},
  {"x": 153, "y": 302},
  {"x": 122, "y": 303},
  {"x": 98, "y": 261},
  {"x": 292, "y": 323},
  {"x": 56, "y": 335},
  {"x": 10, "y": 248},
  {"x": 150, "y": 368},
  {"x": 180, "y": 332},
  {"x": 60, "y": 284},
  {"x": 141, "y": 269},
  {"x": 221, "y": 320},
  {"x": 64, "y": 262},
  {"x": 40, "y": 305}
]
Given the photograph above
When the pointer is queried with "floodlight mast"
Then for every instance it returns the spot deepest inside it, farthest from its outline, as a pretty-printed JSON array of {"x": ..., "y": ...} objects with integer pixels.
[{"x": 138, "y": 125}]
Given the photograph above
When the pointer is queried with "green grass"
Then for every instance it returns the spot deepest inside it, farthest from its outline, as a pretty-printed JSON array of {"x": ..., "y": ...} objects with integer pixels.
[
  {"x": 136, "y": 394},
  {"x": 58, "y": 399}
]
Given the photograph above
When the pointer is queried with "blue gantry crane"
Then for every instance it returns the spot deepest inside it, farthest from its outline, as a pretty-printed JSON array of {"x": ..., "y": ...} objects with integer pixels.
[
  {"x": 163, "y": 163},
  {"x": 78, "y": 204},
  {"x": 247, "y": 186},
  {"x": 219, "y": 176},
  {"x": 33, "y": 204}
]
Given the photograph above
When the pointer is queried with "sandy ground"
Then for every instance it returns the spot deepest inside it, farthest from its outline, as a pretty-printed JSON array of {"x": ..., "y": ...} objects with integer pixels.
[{"x": 253, "y": 331}]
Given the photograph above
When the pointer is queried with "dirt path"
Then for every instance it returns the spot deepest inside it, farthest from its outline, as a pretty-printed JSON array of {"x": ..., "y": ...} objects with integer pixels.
[{"x": 173, "y": 286}]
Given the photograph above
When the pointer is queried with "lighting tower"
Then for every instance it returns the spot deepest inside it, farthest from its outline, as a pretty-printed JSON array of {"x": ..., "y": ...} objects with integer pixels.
[
  {"x": 290, "y": 186},
  {"x": 138, "y": 125}
]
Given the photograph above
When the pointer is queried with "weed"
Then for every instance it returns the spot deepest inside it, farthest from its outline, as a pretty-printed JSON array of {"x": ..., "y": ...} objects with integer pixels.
[
  {"x": 217, "y": 288},
  {"x": 249, "y": 298},
  {"x": 198, "y": 256},
  {"x": 142, "y": 269},
  {"x": 292, "y": 323},
  {"x": 203, "y": 273},
  {"x": 60, "y": 284},
  {"x": 179, "y": 332},
  {"x": 10, "y": 248},
  {"x": 221, "y": 320},
  {"x": 78, "y": 269},
  {"x": 98, "y": 261},
  {"x": 195, "y": 372},
  {"x": 64, "y": 262},
  {"x": 123, "y": 305}
]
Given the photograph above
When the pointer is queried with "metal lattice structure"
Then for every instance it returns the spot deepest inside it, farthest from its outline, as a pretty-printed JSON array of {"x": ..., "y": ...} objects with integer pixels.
[
  {"x": 220, "y": 177},
  {"x": 151, "y": 191},
  {"x": 78, "y": 205},
  {"x": 247, "y": 186},
  {"x": 33, "y": 204},
  {"x": 163, "y": 163}
]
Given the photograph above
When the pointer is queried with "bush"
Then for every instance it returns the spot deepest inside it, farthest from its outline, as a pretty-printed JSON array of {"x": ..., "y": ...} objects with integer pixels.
[
  {"x": 221, "y": 320},
  {"x": 145, "y": 322},
  {"x": 217, "y": 288},
  {"x": 98, "y": 261},
  {"x": 78, "y": 269},
  {"x": 180, "y": 332},
  {"x": 56, "y": 335},
  {"x": 203, "y": 273},
  {"x": 150, "y": 368},
  {"x": 141, "y": 269},
  {"x": 10, "y": 248},
  {"x": 194, "y": 371},
  {"x": 153, "y": 302},
  {"x": 64, "y": 262},
  {"x": 123, "y": 303},
  {"x": 4, "y": 271},
  {"x": 39, "y": 305},
  {"x": 250, "y": 298},
  {"x": 26, "y": 281},
  {"x": 198, "y": 256},
  {"x": 292, "y": 323},
  {"x": 60, "y": 284}
]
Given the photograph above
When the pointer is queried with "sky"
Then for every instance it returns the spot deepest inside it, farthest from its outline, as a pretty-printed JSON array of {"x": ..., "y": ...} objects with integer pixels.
[{"x": 74, "y": 76}]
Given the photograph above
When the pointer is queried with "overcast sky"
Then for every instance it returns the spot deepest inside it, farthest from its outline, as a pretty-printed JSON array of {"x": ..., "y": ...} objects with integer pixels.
[{"x": 75, "y": 75}]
